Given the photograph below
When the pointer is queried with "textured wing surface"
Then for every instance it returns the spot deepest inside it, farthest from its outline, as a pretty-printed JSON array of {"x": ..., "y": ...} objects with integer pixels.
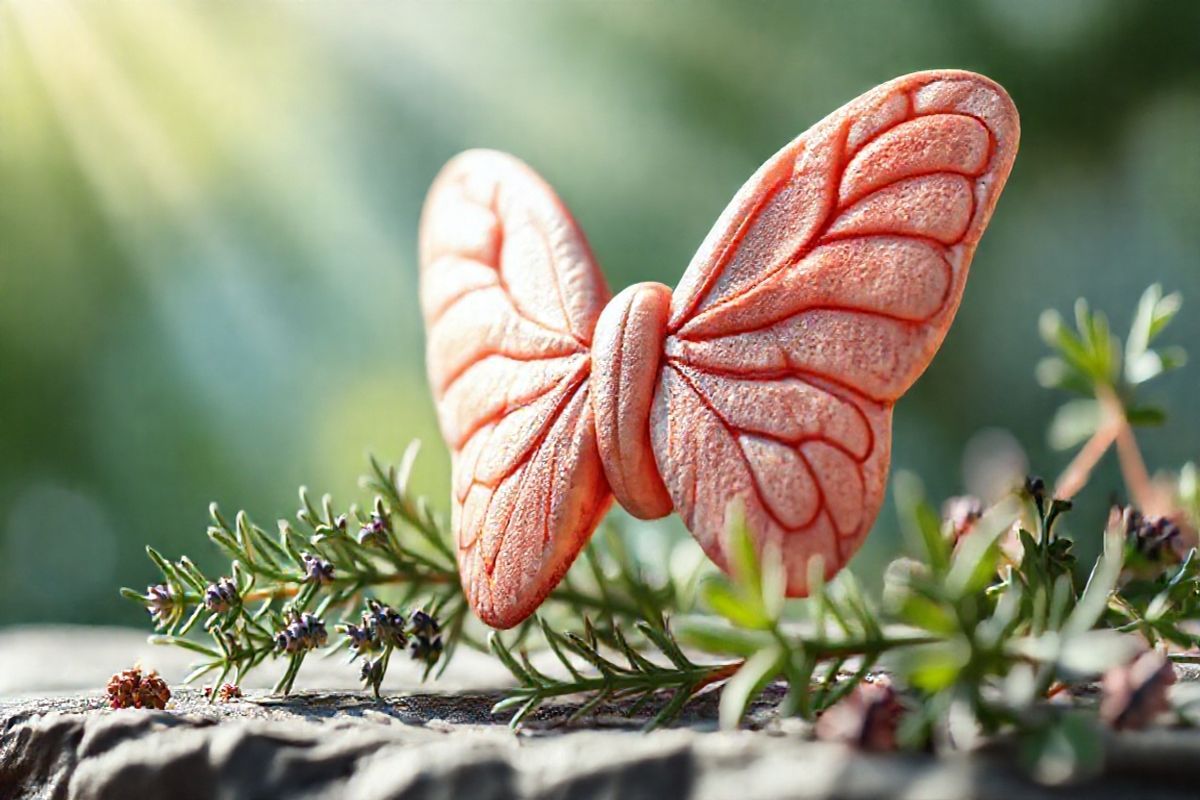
[
  {"x": 818, "y": 298},
  {"x": 510, "y": 294}
]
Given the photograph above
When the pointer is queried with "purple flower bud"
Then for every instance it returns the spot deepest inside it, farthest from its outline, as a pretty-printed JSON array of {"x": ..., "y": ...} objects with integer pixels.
[
  {"x": 387, "y": 623},
  {"x": 315, "y": 630},
  {"x": 422, "y": 624},
  {"x": 317, "y": 570},
  {"x": 221, "y": 596},
  {"x": 427, "y": 643},
  {"x": 362, "y": 637},
  {"x": 427, "y": 650},
  {"x": 159, "y": 597},
  {"x": 374, "y": 531},
  {"x": 1152, "y": 544},
  {"x": 303, "y": 632},
  {"x": 1035, "y": 487},
  {"x": 1154, "y": 537},
  {"x": 160, "y": 602}
]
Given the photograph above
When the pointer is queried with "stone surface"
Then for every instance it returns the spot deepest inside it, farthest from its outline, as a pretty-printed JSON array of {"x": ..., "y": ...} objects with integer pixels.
[
  {"x": 767, "y": 377},
  {"x": 414, "y": 744},
  {"x": 348, "y": 746}
]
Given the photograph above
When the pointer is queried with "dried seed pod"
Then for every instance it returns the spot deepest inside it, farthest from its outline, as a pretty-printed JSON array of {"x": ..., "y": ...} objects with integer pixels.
[
  {"x": 1135, "y": 693},
  {"x": 227, "y": 693},
  {"x": 372, "y": 674},
  {"x": 866, "y": 719},
  {"x": 133, "y": 689}
]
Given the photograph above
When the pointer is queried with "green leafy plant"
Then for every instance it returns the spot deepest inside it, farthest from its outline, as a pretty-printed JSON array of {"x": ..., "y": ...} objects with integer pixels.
[
  {"x": 1091, "y": 361},
  {"x": 987, "y": 627}
]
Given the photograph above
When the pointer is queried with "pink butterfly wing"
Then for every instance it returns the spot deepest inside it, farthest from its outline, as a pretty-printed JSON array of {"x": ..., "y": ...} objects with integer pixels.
[
  {"x": 511, "y": 293},
  {"x": 818, "y": 298}
]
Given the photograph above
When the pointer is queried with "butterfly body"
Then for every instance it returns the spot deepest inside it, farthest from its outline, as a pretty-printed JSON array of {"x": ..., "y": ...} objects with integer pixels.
[
  {"x": 627, "y": 353},
  {"x": 767, "y": 377}
]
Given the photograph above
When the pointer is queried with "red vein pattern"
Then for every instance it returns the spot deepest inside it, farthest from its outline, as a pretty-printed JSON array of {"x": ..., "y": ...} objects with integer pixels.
[
  {"x": 510, "y": 294},
  {"x": 768, "y": 377},
  {"x": 820, "y": 296}
]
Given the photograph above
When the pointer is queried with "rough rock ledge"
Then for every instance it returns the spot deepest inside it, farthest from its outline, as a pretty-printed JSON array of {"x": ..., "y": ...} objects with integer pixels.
[{"x": 59, "y": 742}]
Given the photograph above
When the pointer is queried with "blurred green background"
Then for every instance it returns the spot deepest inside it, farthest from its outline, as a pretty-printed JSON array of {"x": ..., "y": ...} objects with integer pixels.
[{"x": 208, "y": 214}]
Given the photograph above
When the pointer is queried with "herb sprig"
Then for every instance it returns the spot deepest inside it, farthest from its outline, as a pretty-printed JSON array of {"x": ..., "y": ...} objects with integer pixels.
[
  {"x": 1092, "y": 362},
  {"x": 280, "y": 589}
]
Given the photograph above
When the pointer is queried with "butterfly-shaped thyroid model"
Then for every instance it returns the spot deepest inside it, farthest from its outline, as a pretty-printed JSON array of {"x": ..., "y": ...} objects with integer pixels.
[{"x": 766, "y": 378}]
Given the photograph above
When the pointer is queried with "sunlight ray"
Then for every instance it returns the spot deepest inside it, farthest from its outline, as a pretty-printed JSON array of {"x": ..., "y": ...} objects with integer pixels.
[
  {"x": 290, "y": 175},
  {"x": 129, "y": 161}
]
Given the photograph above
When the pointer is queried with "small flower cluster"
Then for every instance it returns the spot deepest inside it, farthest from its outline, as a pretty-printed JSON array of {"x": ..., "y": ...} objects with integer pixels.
[
  {"x": 316, "y": 570},
  {"x": 133, "y": 689},
  {"x": 227, "y": 693},
  {"x": 160, "y": 602},
  {"x": 303, "y": 632},
  {"x": 426, "y": 638},
  {"x": 362, "y": 637},
  {"x": 221, "y": 596},
  {"x": 387, "y": 623},
  {"x": 1150, "y": 542},
  {"x": 383, "y": 628}
]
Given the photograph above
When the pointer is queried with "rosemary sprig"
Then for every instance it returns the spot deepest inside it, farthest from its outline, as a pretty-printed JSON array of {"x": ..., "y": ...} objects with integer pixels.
[
  {"x": 639, "y": 678},
  {"x": 328, "y": 563},
  {"x": 746, "y": 632},
  {"x": 280, "y": 588}
]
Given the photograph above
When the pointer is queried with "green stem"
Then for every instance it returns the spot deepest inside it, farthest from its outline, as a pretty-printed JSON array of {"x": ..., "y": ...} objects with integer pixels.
[
  {"x": 610, "y": 682},
  {"x": 824, "y": 650},
  {"x": 607, "y": 604}
]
